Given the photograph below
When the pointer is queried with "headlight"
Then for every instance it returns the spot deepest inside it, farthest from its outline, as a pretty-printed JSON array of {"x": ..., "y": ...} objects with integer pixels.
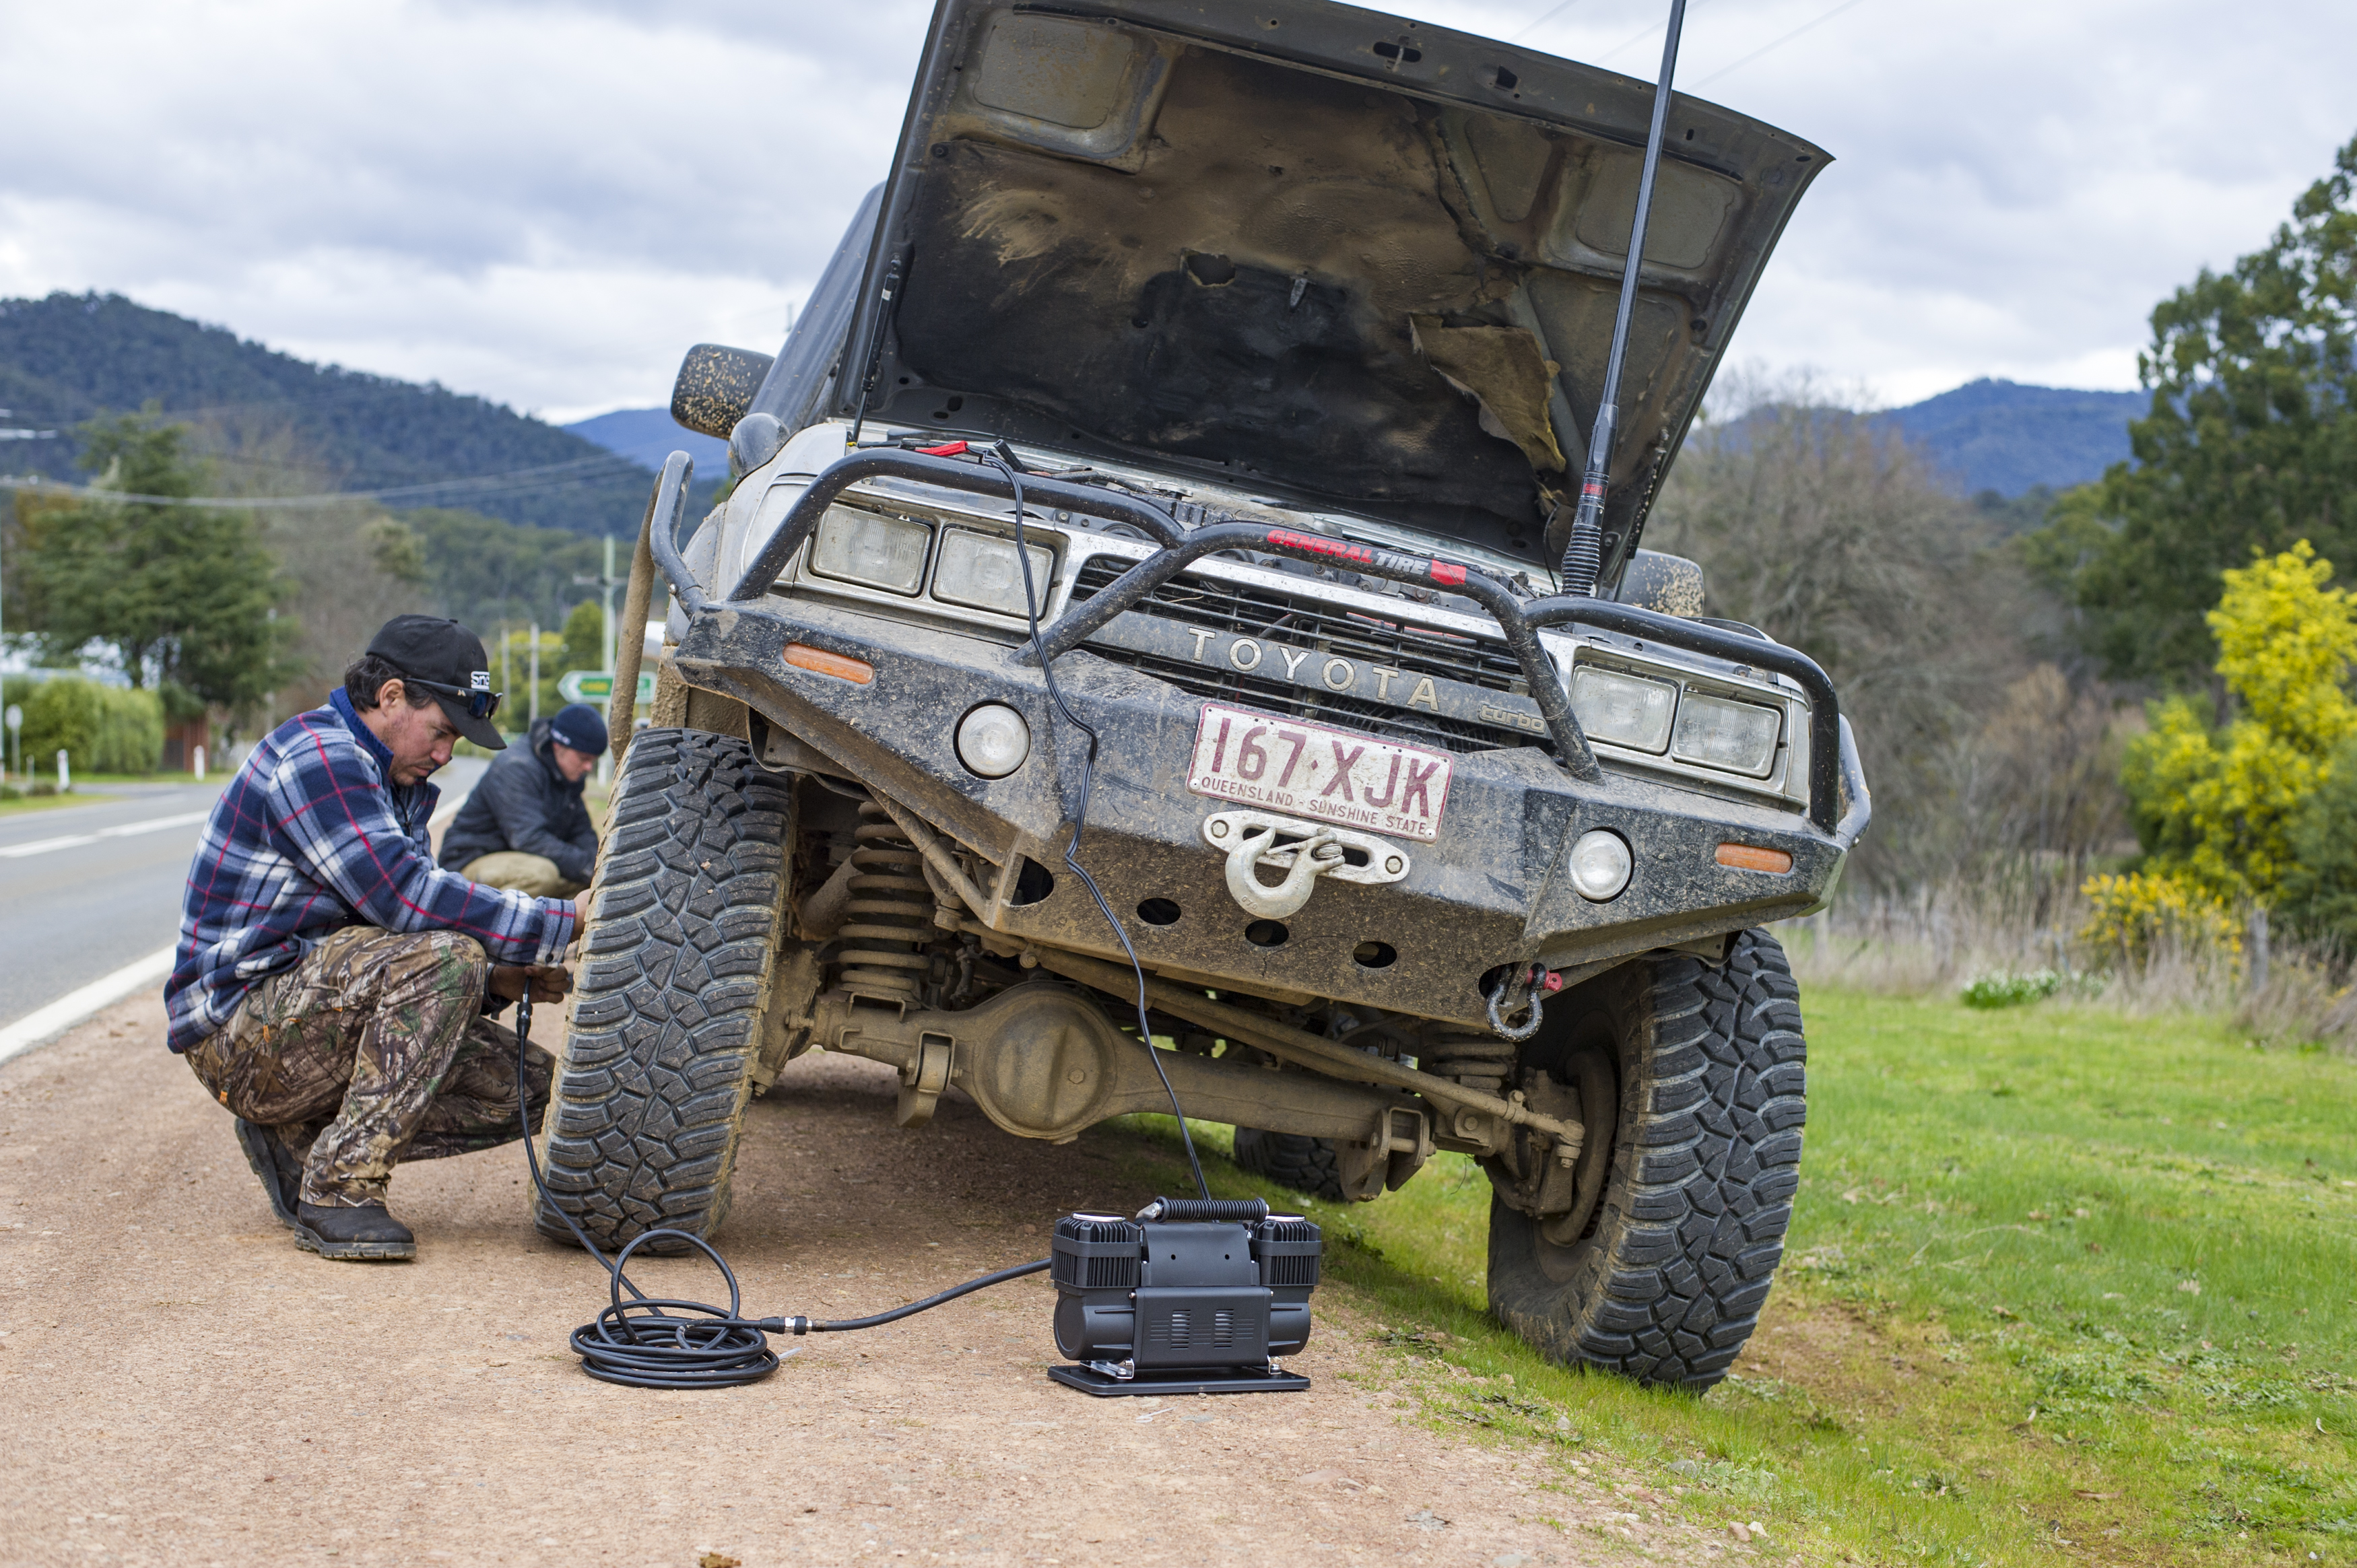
[
  {"x": 868, "y": 547},
  {"x": 992, "y": 740},
  {"x": 1600, "y": 864},
  {"x": 982, "y": 570},
  {"x": 1739, "y": 737},
  {"x": 1623, "y": 710}
]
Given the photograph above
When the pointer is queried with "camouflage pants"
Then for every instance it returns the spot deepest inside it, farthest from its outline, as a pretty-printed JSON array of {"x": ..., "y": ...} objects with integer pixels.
[{"x": 370, "y": 1051}]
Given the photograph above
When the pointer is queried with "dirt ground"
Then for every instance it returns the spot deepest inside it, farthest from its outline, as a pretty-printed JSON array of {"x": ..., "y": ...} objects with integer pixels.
[{"x": 180, "y": 1385}]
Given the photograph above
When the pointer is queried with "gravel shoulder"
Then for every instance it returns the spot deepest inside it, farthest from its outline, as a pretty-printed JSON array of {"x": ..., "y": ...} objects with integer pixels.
[{"x": 182, "y": 1386}]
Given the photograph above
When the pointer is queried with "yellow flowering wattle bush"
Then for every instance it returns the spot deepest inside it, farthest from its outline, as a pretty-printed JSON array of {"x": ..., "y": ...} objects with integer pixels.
[
  {"x": 2130, "y": 916},
  {"x": 2215, "y": 808}
]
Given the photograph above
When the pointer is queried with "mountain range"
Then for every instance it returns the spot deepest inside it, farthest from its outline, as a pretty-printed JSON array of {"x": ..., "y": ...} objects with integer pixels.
[
  {"x": 277, "y": 425},
  {"x": 2001, "y": 436}
]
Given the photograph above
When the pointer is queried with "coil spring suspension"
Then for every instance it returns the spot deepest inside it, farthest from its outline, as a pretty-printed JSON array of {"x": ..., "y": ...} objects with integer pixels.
[
  {"x": 889, "y": 914},
  {"x": 1474, "y": 1057}
]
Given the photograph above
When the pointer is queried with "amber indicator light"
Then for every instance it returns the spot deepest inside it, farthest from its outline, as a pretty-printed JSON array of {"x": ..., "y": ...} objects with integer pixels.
[
  {"x": 858, "y": 672},
  {"x": 1752, "y": 857}
]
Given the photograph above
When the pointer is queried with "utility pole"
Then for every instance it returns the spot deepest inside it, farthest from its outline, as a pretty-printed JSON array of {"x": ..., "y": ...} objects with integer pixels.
[
  {"x": 531, "y": 705},
  {"x": 606, "y": 582}
]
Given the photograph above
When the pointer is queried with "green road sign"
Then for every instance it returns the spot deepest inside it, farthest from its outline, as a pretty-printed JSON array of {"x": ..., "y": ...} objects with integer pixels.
[{"x": 597, "y": 685}]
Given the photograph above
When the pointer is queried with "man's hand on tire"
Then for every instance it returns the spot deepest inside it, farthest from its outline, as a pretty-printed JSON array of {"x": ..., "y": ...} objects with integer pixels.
[{"x": 549, "y": 982}]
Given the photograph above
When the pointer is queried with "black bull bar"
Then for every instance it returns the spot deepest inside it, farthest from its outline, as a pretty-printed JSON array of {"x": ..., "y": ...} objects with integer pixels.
[{"x": 1519, "y": 621}]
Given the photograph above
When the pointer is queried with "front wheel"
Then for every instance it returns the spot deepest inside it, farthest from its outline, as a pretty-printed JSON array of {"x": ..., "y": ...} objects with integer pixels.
[
  {"x": 1698, "y": 1070},
  {"x": 665, "y": 1029}
]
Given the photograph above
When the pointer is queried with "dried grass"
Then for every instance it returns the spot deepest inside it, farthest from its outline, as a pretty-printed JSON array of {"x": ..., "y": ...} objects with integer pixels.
[{"x": 1937, "y": 939}]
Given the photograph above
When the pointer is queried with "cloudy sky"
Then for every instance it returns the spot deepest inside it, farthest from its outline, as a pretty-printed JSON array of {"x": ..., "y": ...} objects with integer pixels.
[{"x": 544, "y": 203}]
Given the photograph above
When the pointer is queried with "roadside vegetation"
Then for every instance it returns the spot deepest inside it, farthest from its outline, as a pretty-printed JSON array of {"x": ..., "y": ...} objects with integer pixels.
[
  {"x": 2109, "y": 732},
  {"x": 2061, "y": 1284}
]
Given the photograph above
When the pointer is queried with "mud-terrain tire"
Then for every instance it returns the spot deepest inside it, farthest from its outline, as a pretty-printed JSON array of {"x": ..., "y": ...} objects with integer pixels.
[
  {"x": 1307, "y": 1164},
  {"x": 665, "y": 1019},
  {"x": 1666, "y": 1279}
]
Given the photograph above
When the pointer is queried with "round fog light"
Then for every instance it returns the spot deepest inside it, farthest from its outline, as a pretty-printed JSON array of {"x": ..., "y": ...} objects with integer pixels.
[
  {"x": 992, "y": 740},
  {"x": 1601, "y": 864}
]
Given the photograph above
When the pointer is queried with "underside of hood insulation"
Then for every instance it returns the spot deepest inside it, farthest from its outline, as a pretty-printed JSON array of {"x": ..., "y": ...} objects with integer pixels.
[{"x": 1326, "y": 255}]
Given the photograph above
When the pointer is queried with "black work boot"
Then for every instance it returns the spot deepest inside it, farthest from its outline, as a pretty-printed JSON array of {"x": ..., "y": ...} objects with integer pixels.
[
  {"x": 360, "y": 1234},
  {"x": 280, "y": 1172}
]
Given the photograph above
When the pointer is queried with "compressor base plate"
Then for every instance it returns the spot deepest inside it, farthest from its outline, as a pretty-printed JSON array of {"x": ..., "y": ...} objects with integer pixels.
[{"x": 1234, "y": 1380}]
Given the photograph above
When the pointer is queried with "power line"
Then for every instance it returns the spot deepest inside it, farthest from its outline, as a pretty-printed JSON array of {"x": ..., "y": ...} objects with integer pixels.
[
  {"x": 1777, "y": 43},
  {"x": 1636, "y": 38},
  {"x": 1553, "y": 12},
  {"x": 580, "y": 470}
]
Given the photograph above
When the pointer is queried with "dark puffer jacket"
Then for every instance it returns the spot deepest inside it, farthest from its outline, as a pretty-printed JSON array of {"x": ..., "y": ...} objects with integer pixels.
[{"x": 522, "y": 803}]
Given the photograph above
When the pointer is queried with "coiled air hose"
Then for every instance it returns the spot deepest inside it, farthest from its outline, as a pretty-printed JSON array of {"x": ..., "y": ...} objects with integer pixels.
[{"x": 665, "y": 1342}]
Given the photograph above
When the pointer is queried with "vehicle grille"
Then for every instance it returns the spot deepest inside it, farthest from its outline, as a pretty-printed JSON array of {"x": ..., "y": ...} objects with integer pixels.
[{"x": 1303, "y": 620}]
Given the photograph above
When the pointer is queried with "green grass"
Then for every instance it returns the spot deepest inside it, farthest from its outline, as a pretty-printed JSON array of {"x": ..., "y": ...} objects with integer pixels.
[
  {"x": 45, "y": 804},
  {"x": 2055, "y": 1276},
  {"x": 79, "y": 796}
]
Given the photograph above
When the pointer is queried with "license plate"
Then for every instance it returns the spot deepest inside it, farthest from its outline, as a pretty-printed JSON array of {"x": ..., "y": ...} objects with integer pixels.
[{"x": 1316, "y": 771}]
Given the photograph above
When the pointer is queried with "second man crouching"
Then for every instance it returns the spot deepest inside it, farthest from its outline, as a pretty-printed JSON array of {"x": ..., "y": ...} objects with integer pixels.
[{"x": 525, "y": 827}]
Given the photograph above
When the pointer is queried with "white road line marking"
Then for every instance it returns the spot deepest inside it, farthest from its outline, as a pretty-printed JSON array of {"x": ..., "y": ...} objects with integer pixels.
[
  {"x": 48, "y": 1023},
  {"x": 55, "y": 1019},
  {"x": 128, "y": 830},
  {"x": 155, "y": 824},
  {"x": 43, "y": 846}
]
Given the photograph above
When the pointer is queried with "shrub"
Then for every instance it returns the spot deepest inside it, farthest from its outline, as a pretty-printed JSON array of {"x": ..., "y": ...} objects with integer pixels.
[
  {"x": 2217, "y": 808},
  {"x": 2319, "y": 890},
  {"x": 2131, "y": 918},
  {"x": 2002, "y": 988},
  {"x": 104, "y": 729}
]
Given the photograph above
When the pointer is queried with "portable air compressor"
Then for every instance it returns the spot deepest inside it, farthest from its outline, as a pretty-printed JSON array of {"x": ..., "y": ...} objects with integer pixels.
[{"x": 1195, "y": 1295}]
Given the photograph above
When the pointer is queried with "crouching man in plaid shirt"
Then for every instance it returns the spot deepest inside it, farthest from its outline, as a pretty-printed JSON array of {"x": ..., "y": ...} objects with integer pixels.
[{"x": 334, "y": 988}]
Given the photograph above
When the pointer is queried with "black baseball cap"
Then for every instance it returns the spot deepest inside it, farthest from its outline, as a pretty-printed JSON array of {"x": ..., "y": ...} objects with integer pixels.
[
  {"x": 580, "y": 726},
  {"x": 448, "y": 662}
]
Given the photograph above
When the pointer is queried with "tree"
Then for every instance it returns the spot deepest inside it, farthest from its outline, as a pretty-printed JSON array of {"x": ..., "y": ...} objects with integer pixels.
[
  {"x": 481, "y": 571},
  {"x": 2251, "y": 443},
  {"x": 585, "y": 636},
  {"x": 2218, "y": 810},
  {"x": 183, "y": 593},
  {"x": 2319, "y": 895},
  {"x": 1825, "y": 530}
]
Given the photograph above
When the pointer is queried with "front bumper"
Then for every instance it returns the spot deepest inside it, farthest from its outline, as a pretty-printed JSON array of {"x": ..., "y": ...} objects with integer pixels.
[{"x": 1493, "y": 890}]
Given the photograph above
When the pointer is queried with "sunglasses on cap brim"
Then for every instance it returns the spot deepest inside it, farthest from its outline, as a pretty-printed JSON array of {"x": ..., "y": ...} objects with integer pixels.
[{"x": 481, "y": 704}]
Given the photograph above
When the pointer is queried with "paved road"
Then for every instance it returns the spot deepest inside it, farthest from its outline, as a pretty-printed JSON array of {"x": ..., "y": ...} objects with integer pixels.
[{"x": 86, "y": 889}]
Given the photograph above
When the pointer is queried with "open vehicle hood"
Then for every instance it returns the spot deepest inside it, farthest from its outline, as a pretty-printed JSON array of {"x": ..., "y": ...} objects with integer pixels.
[{"x": 1326, "y": 255}]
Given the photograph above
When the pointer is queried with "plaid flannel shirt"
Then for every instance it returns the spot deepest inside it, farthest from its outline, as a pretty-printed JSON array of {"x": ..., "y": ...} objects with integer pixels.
[{"x": 311, "y": 837}]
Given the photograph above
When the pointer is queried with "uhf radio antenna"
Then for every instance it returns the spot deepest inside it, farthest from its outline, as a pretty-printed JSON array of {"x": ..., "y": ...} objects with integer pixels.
[{"x": 1583, "y": 552}]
